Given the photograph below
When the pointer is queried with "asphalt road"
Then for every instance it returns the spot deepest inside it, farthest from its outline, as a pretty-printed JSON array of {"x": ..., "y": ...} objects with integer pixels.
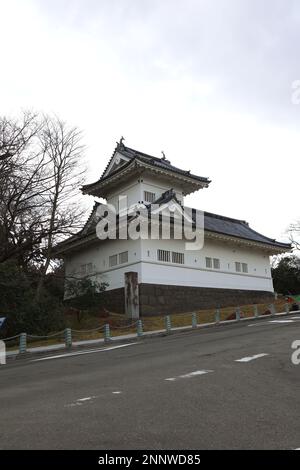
[{"x": 121, "y": 399}]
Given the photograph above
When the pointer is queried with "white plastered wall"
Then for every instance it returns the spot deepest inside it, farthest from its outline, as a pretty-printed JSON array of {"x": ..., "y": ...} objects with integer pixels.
[
  {"x": 195, "y": 273},
  {"x": 98, "y": 254},
  {"x": 142, "y": 258},
  {"x": 134, "y": 190}
]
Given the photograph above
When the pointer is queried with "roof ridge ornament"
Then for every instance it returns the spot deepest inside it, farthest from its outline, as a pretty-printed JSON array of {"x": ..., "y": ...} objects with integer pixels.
[
  {"x": 120, "y": 143},
  {"x": 164, "y": 159}
]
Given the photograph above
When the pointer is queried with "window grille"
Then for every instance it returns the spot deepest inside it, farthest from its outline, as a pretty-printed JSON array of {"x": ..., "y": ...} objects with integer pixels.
[
  {"x": 177, "y": 257},
  {"x": 113, "y": 260},
  {"x": 238, "y": 267},
  {"x": 123, "y": 257},
  {"x": 163, "y": 255},
  {"x": 216, "y": 263},
  {"x": 149, "y": 196},
  {"x": 244, "y": 267}
]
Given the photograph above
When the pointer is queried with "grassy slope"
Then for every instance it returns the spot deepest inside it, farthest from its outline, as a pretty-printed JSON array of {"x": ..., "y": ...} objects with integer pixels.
[{"x": 119, "y": 325}]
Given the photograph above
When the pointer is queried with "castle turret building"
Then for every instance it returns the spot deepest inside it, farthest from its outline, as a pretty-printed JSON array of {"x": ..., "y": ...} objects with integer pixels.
[{"x": 232, "y": 267}]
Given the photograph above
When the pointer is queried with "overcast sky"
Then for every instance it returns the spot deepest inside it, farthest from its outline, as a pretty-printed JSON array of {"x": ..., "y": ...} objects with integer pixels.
[{"x": 207, "y": 81}]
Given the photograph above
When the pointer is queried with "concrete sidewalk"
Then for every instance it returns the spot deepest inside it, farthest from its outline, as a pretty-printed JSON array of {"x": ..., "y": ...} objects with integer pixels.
[{"x": 96, "y": 342}]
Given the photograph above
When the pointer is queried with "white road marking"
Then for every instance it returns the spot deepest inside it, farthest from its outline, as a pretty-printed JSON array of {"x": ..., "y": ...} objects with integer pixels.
[
  {"x": 192, "y": 374},
  {"x": 117, "y": 392},
  {"x": 80, "y": 353},
  {"x": 189, "y": 375},
  {"x": 281, "y": 321},
  {"x": 272, "y": 321},
  {"x": 80, "y": 401},
  {"x": 251, "y": 358}
]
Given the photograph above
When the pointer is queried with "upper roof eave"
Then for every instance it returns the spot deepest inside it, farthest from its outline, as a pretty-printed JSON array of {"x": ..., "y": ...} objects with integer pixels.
[{"x": 193, "y": 180}]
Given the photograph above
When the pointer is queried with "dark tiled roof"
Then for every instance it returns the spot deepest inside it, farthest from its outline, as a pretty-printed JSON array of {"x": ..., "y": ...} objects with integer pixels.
[
  {"x": 132, "y": 154},
  {"x": 226, "y": 225},
  {"x": 159, "y": 162},
  {"x": 212, "y": 223},
  {"x": 236, "y": 228}
]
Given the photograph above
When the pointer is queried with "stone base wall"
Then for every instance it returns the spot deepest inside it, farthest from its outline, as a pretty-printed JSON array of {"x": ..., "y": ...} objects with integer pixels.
[
  {"x": 162, "y": 299},
  {"x": 157, "y": 299}
]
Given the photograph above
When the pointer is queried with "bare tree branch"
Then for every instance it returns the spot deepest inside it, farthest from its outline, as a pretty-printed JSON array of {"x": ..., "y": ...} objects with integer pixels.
[{"x": 294, "y": 234}]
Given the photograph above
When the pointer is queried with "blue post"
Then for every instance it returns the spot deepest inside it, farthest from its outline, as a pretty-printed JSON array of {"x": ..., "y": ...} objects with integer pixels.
[
  {"x": 68, "y": 337},
  {"x": 194, "y": 320},
  {"x": 238, "y": 314},
  {"x": 139, "y": 328},
  {"x": 23, "y": 343},
  {"x": 217, "y": 315},
  {"x": 287, "y": 308},
  {"x": 255, "y": 311},
  {"x": 107, "y": 337},
  {"x": 272, "y": 309},
  {"x": 168, "y": 324}
]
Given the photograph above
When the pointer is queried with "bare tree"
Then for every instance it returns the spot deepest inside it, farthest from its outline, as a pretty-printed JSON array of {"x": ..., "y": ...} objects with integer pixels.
[
  {"x": 62, "y": 148},
  {"x": 21, "y": 175},
  {"x": 40, "y": 174},
  {"x": 294, "y": 234}
]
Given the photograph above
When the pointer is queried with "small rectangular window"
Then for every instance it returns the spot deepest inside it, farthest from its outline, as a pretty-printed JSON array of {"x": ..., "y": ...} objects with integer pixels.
[
  {"x": 216, "y": 263},
  {"x": 113, "y": 260},
  {"x": 244, "y": 267},
  {"x": 163, "y": 255},
  {"x": 208, "y": 262},
  {"x": 238, "y": 267},
  {"x": 123, "y": 257},
  {"x": 177, "y": 257},
  {"x": 148, "y": 196}
]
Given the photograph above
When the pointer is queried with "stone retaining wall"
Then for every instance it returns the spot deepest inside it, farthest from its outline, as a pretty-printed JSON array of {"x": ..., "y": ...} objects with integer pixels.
[
  {"x": 162, "y": 299},
  {"x": 157, "y": 299}
]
